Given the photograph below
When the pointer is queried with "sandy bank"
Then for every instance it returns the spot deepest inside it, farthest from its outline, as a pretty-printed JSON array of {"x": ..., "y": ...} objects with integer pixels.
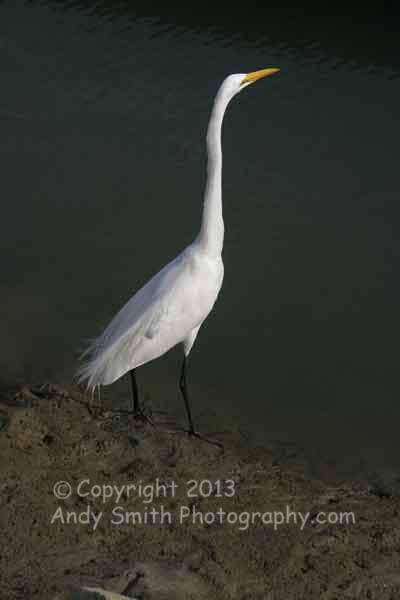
[{"x": 235, "y": 524}]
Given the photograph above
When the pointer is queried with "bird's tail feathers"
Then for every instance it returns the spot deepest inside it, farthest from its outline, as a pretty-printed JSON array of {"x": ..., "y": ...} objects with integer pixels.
[{"x": 101, "y": 366}]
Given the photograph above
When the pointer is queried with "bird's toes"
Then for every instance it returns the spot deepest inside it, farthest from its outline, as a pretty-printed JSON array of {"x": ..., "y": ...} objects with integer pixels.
[
  {"x": 203, "y": 438},
  {"x": 143, "y": 415}
]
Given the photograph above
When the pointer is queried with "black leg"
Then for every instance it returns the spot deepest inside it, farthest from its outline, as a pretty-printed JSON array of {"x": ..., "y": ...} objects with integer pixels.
[
  {"x": 135, "y": 393},
  {"x": 135, "y": 410},
  {"x": 184, "y": 390}
]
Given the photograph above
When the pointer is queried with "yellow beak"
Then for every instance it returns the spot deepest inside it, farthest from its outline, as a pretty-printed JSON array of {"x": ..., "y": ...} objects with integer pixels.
[{"x": 256, "y": 75}]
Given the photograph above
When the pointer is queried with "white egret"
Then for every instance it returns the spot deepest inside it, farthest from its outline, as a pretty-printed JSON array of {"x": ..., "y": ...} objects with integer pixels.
[{"x": 172, "y": 306}]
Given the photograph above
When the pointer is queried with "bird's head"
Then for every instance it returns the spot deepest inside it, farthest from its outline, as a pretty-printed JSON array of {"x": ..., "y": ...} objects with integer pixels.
[{"x": 234, "y": 84}]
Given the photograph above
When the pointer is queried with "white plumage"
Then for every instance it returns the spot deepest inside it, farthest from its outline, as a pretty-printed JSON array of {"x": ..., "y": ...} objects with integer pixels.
[
  {"x": 172, "y": 306},
  {"x": 167, "y": 310}
]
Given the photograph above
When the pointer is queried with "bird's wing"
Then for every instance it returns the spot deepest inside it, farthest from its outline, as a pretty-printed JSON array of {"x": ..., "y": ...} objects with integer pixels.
[
  {"x": 156, "y": 318},
  {"x": 141, "y": 309}
]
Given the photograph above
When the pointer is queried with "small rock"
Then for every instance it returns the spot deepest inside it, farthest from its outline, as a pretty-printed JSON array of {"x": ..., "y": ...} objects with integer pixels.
[
  {"x": 98, "y": 594},
  {"x": 158, "y": 581}
]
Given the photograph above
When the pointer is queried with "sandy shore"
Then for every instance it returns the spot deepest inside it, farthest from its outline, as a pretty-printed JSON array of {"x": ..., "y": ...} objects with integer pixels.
[{"x": 149, "y": 513}]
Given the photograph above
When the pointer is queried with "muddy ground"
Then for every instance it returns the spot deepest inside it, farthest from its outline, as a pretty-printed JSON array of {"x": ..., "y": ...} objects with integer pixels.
[{"x": 50, "y": 434}]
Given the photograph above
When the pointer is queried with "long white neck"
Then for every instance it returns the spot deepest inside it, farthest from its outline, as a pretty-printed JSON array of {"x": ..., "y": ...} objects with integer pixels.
[{"x": 211, "y": 236}]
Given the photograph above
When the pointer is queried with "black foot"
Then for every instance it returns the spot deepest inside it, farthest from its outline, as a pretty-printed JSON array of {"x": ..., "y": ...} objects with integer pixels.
[
  {"x": 198, "y": 436},
  {"x": 139, "y": 414}
]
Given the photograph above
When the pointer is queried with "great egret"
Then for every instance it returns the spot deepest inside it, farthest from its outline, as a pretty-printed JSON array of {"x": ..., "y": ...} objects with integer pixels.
[{"x": 172, "y": 306}]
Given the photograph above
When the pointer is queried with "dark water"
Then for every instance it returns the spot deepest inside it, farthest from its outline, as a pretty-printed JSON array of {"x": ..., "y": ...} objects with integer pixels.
[{"x": 103, "y": 114}]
